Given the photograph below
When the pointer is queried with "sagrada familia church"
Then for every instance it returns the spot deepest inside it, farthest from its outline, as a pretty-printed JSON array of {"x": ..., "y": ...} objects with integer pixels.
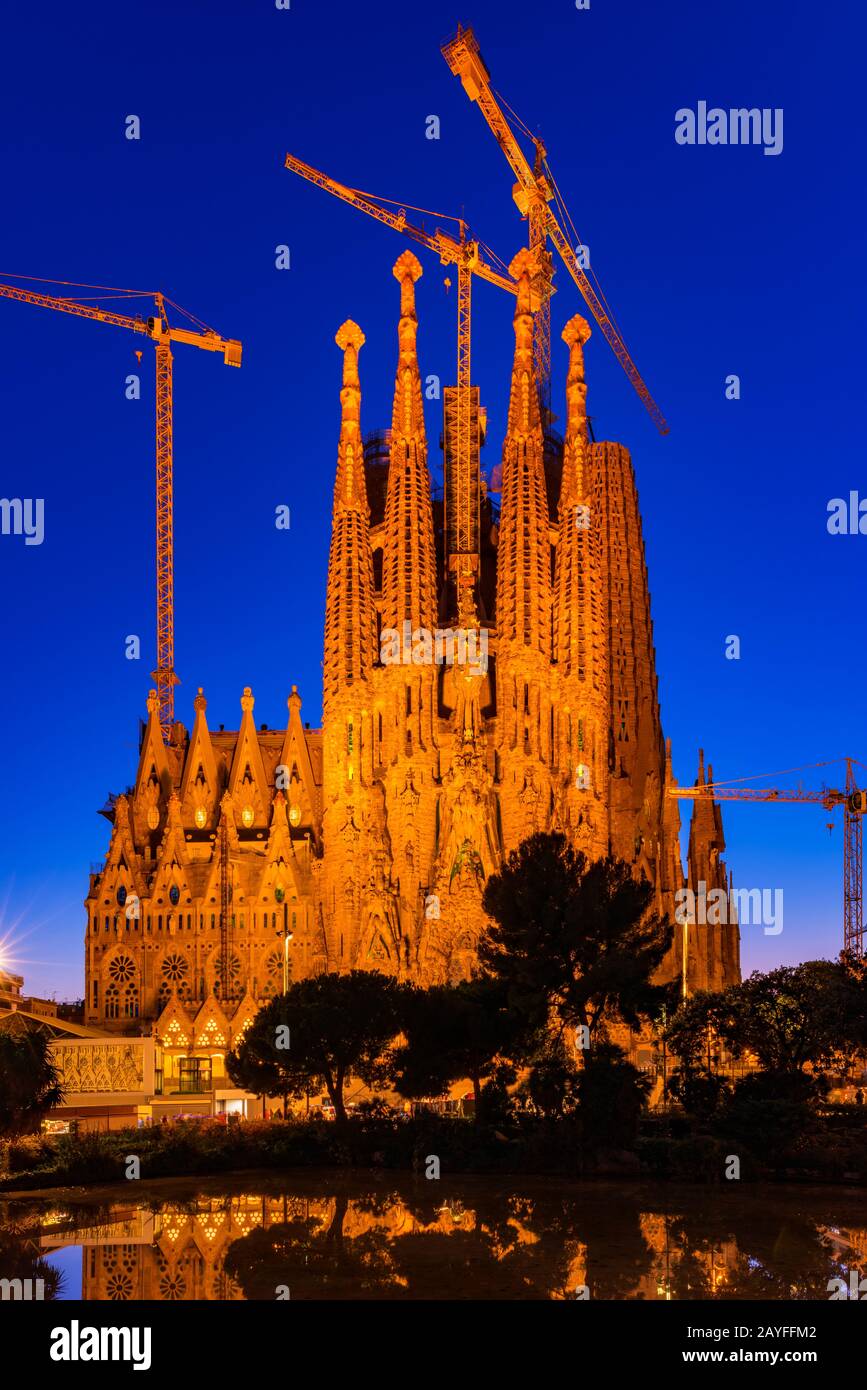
[{"x": 488, "y": 672}]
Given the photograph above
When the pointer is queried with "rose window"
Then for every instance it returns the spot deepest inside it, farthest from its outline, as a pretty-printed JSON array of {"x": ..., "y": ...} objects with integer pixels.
[
  {"x": 175, "y": 968},
  {"x": 118, "y": 1287},
  {"x": 173, "y": 1286},
  {"x": 121, "y": 970}
]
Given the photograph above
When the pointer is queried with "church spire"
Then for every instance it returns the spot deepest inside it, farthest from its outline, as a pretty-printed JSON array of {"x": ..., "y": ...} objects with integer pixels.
[
  {"x": 578, "y": 587},
  {"x": 523, "y": 551},
  {"x": 710, "y": 965},
  {"x": 409, "y": 567},
  {"x": 349, "y": 614},
  {"x": 580, "y": 628}
]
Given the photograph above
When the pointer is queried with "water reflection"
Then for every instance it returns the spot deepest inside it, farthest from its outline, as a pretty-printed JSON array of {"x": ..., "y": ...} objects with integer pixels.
[{"x": 324, "y": 1236}]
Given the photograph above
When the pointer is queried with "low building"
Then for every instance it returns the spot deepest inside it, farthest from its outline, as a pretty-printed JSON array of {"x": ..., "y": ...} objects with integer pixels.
[
  {"x": 12, "y": 997},
  {"x": 113, "y": 1082}
]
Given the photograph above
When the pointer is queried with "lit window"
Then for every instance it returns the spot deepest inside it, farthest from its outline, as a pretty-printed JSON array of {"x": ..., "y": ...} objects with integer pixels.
[
  {"x": 248, "y": 816},
  {"x": 294, "y": 815},
  {"x": 201, "y": 817}
]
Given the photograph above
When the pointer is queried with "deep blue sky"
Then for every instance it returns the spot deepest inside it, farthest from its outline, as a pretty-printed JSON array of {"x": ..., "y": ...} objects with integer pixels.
[{"x": 717, "y": 260}]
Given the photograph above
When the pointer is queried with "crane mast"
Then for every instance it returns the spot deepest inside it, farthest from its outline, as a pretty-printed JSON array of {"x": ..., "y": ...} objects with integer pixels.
[
  {"x": 462, "y": 482},
  {"x": 162, "y": 334},
  {"x": 533, "y": 193}
]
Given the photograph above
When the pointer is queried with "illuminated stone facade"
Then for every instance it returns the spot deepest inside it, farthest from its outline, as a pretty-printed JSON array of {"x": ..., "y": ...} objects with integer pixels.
[{"x": 370, "y": 839}]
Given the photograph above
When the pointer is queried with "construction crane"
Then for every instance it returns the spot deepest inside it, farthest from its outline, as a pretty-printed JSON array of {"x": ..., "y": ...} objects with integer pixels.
[
  {"x": 162, "y": 334},
  {"x": 854, "y": 803},
  {"x": 466, "y": 255},
  {"x": 533, "y": 193}
]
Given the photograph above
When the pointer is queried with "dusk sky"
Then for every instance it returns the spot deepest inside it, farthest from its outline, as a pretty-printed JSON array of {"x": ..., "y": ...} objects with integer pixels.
[{"x": 717, "y": 260}]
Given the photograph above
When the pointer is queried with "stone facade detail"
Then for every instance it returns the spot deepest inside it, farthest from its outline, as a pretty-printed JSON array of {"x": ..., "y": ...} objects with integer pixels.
[{"x": 458, "y": 718}]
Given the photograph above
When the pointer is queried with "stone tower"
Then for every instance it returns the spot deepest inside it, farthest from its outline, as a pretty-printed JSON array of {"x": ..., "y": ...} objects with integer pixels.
[{"x": 367, "y": 844}]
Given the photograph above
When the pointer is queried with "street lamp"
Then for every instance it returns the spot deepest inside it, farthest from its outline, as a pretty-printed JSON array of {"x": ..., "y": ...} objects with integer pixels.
[{"x": 280, "y": 895}]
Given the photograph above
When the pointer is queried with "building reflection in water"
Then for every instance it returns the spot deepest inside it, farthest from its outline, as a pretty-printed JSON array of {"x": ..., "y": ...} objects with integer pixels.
[{"x": 471, "y": 1240}]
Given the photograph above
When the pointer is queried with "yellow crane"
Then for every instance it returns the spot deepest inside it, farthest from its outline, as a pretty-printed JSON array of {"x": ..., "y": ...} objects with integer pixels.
[
  {"x": 466, "y": 254},
  {"x": 854, "y": 803},
  {"x": 533, "y": 193},
  {"x": 162, "y": 334}
]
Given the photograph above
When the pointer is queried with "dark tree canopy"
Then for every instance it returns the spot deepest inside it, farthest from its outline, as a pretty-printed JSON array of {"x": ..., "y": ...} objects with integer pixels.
[
  {"x": 323, "y": 1031},
  {"x": 573, "y": 938},
  {"x": 454, "y": 1031},
  {"x": 788, "y": 1018},
  {"x": 30, "y": 1083}
]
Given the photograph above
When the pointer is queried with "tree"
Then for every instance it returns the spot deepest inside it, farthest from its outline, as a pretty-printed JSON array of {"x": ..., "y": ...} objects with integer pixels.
[
  {"x": 611, "y": 1094},
  {"x": 789, "y": 1018},
  {"x": 322, "y": 1031},
  {"x": 30, "y": 1083},
  {"x": 573, "y": 939},
  {"x": 552, "y": 1081},
  {"x": 452, "y": 1032}
]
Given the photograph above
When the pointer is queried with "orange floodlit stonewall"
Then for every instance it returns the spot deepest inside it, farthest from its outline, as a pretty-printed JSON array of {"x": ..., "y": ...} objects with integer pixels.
[{"x": 370, "y": 839}]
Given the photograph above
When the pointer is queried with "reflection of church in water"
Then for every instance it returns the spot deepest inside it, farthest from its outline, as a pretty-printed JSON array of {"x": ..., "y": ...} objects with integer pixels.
[
  {"x": 257, "y": 1245},
  {"x": 371, "y": 839}
]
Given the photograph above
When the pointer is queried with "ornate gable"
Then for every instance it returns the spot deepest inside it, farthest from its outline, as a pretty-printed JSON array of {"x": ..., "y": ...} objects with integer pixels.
[
  {"x": 211, "y": 1028},
  {"x": 173, "y": 1027},
  {"x": 248, "y": 785},
  {"x": 200, "y": 786}
]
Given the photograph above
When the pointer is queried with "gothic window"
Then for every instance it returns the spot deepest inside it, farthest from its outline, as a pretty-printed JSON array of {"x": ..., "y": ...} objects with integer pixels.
[
  {"x": 112, "y": 1002},
  {"x": 212, "y": 1034},
  {"x": 121, "y": 970},
  {"x": 274, "y": 969},
  {"x": 130, "y": 1002}
]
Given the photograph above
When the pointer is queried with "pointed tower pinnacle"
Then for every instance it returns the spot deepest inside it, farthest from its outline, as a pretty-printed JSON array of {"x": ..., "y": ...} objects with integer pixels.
[
  {"x": 580, "y": 626},
  {"x": 710, "y": 962},
  {"x": 523, "y": 551},
  {"x": 579, "y": 638},
  {"x": 349, "y": 616},
  {"x": 409, "y": 566},
  {"x": 524, "y": 415},
  {"x": 350, "y": 465}
]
